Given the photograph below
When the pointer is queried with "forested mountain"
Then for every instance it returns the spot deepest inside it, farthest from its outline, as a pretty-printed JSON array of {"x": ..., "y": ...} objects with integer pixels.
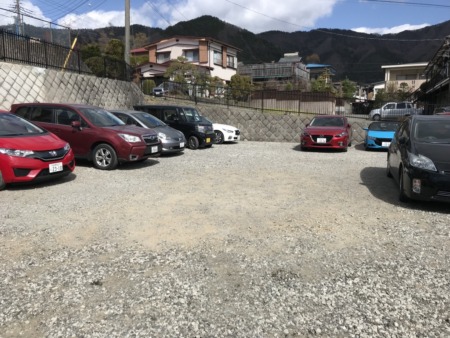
[{"x": 356, "y": 56}]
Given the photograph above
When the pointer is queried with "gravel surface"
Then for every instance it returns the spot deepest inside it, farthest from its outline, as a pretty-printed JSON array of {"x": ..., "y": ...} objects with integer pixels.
[{"x": 253, "y": 239}]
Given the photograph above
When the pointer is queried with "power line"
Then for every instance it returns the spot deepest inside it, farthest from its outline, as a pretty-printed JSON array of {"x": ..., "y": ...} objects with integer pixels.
[
  {"x": 410, "y": 3},
  {"x": 365, "y": 37}
]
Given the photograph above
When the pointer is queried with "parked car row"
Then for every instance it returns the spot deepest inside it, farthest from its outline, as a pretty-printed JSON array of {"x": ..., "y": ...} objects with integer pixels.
[
  {"x": 41, "y": 140},
  {"x": 418, "y": 150}
]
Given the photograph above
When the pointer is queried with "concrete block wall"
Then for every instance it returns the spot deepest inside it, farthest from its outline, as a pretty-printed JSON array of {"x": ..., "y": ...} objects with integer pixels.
[
  {"x": 21, "y": 83},
  {"x": 260, "y": 126}
]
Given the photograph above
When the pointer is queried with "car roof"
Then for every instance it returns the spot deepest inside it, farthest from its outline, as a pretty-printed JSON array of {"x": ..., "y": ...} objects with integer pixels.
[
  {"x": 74, "y": 105},
  {"x": 330, "y": 116},
  {"x": 429, "y": 117}
]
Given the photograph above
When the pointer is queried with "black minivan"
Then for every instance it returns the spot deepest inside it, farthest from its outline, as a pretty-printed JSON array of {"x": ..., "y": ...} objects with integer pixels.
[{"x": 199, "y": 132}]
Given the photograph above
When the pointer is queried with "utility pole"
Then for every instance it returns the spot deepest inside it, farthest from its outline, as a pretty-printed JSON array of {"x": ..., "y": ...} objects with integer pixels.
[
  {"x": 18, "y": 20},
  {"x": 127, "y": 32}
]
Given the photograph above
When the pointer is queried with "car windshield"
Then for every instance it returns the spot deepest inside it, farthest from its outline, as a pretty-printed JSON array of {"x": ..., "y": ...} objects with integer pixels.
[
  {"x": 149, "y": 120},
  {"x": 384, "y": 126},
  {"x": 13, "y": 125},
  {"x": 192, "y": 115},
  {"x": 101, "y": 118},
  {"x": 437, "y": 131},
  {"x": 327, "y": 122}
]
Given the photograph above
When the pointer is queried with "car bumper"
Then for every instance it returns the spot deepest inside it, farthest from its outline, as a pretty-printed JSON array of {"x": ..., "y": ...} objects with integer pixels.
[
  {"x": 231, "y": 137},
  {"x": 170, "y": 146},
  {"x": 205, "y": 139},
  {"x": 21, "y": 170},
  {"x": 376, "y": 144},
  {"x": 427, "y": 186},
  {"x": 331, "y": 143},
  {"x": 129, "y": 153}
]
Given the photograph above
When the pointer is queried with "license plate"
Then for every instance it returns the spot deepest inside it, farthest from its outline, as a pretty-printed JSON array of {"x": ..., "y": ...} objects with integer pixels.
[
  {"x": 385, "y": 144},
  {"x": 208, "y": 140},
  {"x": 321, "y": 140},
  {"x": 154, "y": 149},
  {"x": 181, "y": 144},
  {"x": 55, "y": 167}
]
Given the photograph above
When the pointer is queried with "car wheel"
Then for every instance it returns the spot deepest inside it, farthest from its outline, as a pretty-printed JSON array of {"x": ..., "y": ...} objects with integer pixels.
[
  {"x": 104, "y": 157},
  {"x": 402, "y": 196},
  {"x": 193, "y": 142},
  {"x": 219, "y": 137},
  {"x": 2, "y": 182},
  {"x": 388, "y": 168},
  {"x": 376, "y": 117}
]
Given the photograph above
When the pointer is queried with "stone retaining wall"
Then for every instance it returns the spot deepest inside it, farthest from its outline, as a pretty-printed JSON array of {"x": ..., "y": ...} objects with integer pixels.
[{"x": 22, "y": 83}]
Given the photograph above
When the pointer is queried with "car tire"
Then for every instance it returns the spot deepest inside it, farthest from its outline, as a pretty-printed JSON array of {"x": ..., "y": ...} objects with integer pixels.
[
  {"x": 193, "y": 142},
  {"x": 402, "y": 196},
  {"x": 104, "y": 157},
  {"x": 388, "y": 168},
  {"x": 2, "y": 182},
  {"x": 219, "y": 137},
  {"x": 376, "y": 117}
]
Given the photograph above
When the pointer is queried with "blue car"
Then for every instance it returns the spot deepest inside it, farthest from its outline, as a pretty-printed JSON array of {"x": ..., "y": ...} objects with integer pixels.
[{"x": 379, "y": 134}]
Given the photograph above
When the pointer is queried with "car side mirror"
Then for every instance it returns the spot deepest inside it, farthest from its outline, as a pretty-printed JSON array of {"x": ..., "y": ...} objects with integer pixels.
[{"x": 76, "y": 125}]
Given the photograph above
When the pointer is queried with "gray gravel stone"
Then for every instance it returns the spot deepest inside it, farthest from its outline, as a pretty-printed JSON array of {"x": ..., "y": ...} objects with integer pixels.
[{"x": 254, "y": 239}]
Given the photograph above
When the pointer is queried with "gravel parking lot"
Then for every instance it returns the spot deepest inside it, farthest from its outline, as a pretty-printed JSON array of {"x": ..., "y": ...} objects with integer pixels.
[{"x": 254, "y": 239}]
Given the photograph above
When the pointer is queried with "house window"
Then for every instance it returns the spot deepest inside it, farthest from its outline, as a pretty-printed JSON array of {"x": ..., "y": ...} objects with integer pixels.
[
  {"x": 162, "y": 57},
  {"x": 217, "y": 57},
  {"x": 231, "y": 61},
  {"x": 191, "y": 55}
]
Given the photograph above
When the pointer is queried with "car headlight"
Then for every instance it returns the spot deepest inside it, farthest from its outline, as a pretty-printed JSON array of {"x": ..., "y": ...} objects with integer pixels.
[
  {"x": 421, "y": 162},
  {"x": 162, "y": 136},
  {"x": 343, "y": 134},
  {"x": 306, "y": 134},
  {"x": 371, "y": 138},
  {"x": 67, "y": 147},
  {"x": 16, "y": 152},
  {"x": 130, "y": 138},
  {"x": 228, "y": 130},
  {"x": 201, "y": 129}
]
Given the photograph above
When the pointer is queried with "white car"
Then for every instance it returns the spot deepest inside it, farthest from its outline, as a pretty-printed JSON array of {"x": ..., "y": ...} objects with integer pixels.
[{"x": 226, "y": 133}]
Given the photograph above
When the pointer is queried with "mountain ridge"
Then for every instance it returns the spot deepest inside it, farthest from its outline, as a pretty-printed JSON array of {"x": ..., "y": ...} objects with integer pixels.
[{"x": 356, "y": 56}]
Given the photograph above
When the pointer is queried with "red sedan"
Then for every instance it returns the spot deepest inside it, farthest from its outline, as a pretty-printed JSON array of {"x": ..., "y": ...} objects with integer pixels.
[
  {"x": 29, "y": 153},
  {"x": 327, "y": 131}
]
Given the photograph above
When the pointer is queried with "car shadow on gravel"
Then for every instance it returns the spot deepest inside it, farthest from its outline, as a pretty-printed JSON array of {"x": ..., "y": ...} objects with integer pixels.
[
  {"x": 318, "y": 150},
  {"x": 39, "y": 185},
  {"x": 123, "y": 166},
  {"x": 385, "y": 189}
]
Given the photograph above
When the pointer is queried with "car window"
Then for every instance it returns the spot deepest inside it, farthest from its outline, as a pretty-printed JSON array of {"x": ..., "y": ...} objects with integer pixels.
[
  {"x": 327, "y": 122},
  {"x": 390, "y": 106},
  {"x": 401, "y": 105},
  {"x": 149, "y": 120},
  {"x": 66, "y": 116},
  {"x": 23, "y": 112},
  {"x": 432, "y": 131},
  {"x": 42, "y": 114},
  {"x": 13, "y": 125},
  {"x": 192, "y": 115},
  {"x": 169, "y": 114},
  {"x": 101, "y": 118}
]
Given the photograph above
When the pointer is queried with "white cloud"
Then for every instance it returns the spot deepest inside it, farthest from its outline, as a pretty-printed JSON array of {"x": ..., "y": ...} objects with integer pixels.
[
  {"x": 254, "y": 15},
  {"x": 392, "y": 30},
  {"x": 8, "y": 16}
]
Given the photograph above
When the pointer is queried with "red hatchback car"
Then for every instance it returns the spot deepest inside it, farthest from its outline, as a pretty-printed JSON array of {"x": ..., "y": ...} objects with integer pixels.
[
  {"x": 29, "y": 153},
  {"x": 327, "y": 131},
  {"x": 93, "y": 133}
]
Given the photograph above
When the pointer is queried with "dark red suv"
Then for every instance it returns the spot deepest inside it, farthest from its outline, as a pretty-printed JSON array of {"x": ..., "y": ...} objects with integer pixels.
[{"x": 93, "y": 133}]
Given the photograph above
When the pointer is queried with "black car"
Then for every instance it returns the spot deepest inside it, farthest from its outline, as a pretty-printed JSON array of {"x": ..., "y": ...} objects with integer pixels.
[
  {"x": 419, "y": 158},
  {"x": 198, "y": 132}
]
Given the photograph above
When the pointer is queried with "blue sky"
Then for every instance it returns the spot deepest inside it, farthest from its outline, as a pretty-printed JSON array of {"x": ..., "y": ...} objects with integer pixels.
[{"x": 371, "y": 16}]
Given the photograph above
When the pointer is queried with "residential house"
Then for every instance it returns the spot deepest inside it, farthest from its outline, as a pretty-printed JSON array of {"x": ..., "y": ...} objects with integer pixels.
[
  {"x": 290, "y": 68},
  {"x": 436, "y": 91},
  {"x": 409, "y": 76},
  {"x": 216, "y": 58},
  {"x": 317, "y": 69}
]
